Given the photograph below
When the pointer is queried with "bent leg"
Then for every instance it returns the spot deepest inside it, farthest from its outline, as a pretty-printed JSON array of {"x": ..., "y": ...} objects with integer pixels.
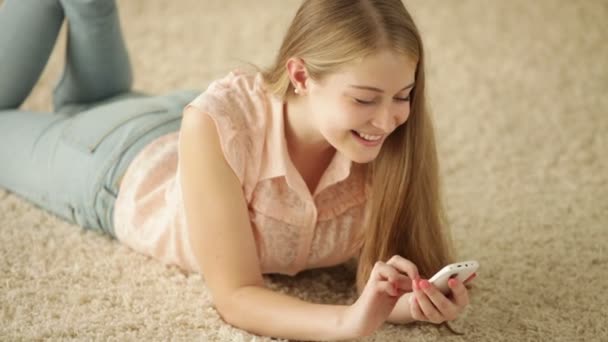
[
  {"x": 97, "y": 63},
  {"x": 28, "y": 32}
]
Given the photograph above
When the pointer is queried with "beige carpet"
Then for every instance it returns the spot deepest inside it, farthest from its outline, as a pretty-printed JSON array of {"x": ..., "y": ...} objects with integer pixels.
[{"x": 518, "y": 89}]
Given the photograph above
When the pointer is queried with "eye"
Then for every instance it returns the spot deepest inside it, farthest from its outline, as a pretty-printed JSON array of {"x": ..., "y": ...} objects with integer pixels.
[{"x": 363, "y": 102}]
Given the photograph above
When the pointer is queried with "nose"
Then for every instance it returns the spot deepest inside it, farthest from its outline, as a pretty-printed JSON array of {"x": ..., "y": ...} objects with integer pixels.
[{"x": 388, "y": 119}]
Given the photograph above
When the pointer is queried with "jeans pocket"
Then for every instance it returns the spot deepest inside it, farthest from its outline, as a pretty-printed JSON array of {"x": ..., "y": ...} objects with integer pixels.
[{"x": 87, "y": 130}]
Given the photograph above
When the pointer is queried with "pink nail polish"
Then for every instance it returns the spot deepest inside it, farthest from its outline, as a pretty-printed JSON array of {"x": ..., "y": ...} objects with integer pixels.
[
  {"x": 470, "y": 278},
  {"x": 452, "y": 282},
  {"x": 424, "y": 284}
]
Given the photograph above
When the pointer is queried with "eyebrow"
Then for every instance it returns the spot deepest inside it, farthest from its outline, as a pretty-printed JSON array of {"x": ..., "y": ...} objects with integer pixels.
[{"x": 377, "y": 89}]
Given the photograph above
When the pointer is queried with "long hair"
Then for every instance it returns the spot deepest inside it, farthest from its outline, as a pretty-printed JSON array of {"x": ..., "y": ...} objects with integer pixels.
[{"x": 404, "y": 211}]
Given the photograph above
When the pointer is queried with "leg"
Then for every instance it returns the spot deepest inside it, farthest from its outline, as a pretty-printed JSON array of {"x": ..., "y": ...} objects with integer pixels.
[
  {"x": 70, "y": 165},
  {"x": 28, "y": 31},
  {"x": 97, "y": 63},
  {"x": 27, "y": 152}
]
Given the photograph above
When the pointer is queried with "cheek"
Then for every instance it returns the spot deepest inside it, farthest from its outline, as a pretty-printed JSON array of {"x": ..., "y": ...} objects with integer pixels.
[
  {"x": 338, "y": 119},
  {"x": 334, "y": 129},
  {"x": 344, "y": 120},
  {"x": 329, "y": 115},
  {"x": 349, "y": 116}
]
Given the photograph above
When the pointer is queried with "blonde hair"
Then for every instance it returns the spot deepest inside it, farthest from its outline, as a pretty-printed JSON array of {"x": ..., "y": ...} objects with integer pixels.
[{"x": 405, "y": 213}]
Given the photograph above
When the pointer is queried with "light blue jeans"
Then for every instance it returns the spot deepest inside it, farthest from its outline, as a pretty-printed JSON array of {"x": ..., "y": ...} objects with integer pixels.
[{"x": 69, "y": 162}]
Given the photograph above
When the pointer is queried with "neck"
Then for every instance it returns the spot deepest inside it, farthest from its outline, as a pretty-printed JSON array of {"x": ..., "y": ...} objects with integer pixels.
[{"x": 304, "y": 141}]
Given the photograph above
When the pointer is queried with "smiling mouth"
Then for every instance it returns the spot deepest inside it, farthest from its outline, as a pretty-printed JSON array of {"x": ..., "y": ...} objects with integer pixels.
[
  {"x": 365, "y": 142},
  {"x": 368, "y": 137}
]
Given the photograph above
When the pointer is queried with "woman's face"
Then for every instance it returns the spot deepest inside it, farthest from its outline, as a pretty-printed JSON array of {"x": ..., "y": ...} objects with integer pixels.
[{"x": 369, "y": 98}]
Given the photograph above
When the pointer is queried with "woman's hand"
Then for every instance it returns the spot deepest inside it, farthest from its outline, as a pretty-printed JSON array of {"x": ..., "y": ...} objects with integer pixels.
[
  {"x": 428, "y": 304},
  {"x": 386, "y": 284}
]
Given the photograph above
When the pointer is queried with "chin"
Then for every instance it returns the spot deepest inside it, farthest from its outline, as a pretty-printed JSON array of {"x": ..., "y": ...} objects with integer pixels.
[{"x": 362, "y": 158}]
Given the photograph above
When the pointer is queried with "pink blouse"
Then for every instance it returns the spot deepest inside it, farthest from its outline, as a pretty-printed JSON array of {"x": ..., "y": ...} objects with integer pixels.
[{"x": 294, "y": 229}]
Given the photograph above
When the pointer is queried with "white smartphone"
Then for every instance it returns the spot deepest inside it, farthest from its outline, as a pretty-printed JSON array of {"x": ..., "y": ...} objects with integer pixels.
[{"x": 463, "y": 271}]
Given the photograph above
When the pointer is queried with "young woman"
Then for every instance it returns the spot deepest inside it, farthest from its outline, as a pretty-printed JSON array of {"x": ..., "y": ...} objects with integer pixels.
[{"x": 327, "y": 155}]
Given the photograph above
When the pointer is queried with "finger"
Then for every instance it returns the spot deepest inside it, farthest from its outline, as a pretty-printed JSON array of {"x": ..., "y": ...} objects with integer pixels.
[
  {"x": 427, "y": 306},
  {"x": 404, "y": 283},
  {"x": 471, "y": 277},
  {"x": 444, "y": 306},
  {"x": 459, "y": 293},
  {"x": 404, "y": 266},
  {"x": 385, "y": 287},
  {"x": 388, "y": 272}
]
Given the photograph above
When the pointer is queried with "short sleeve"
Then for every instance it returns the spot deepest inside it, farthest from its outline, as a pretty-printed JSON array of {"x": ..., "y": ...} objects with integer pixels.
[
  {"x": 235, "y": 144},
  {"x": 237, "y": 106}
]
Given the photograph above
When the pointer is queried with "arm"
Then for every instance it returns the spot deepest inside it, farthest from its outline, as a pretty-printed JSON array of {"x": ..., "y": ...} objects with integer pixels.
[
  {"x": 223, "y": 243},
  {"x": 401, "y": 313},
  {"x": 279, "y": 315}
]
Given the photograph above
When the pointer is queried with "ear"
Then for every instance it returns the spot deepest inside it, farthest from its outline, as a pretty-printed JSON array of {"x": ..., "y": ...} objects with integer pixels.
[{"x": 298, "y": 74}]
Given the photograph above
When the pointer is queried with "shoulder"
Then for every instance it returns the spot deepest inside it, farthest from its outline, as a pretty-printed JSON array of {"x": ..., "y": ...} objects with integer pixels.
[
  {"x": 234, "y": 112},
  {"x": 239, "y": 98}
]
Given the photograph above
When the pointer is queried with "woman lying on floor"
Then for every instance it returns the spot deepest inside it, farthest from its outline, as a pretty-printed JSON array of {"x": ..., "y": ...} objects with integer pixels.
[{"x": 326, "y": 155}]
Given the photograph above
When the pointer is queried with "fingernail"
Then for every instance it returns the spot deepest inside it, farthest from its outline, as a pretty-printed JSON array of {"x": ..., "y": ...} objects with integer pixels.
[
  {"x": 424, "y": 284},
  {"x": 452, "y": 282},
  {"x": 470, "y": 278}
]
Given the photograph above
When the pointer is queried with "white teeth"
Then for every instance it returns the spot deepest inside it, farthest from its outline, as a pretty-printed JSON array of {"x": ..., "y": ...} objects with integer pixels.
[{"x": 369, "y": 137}]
